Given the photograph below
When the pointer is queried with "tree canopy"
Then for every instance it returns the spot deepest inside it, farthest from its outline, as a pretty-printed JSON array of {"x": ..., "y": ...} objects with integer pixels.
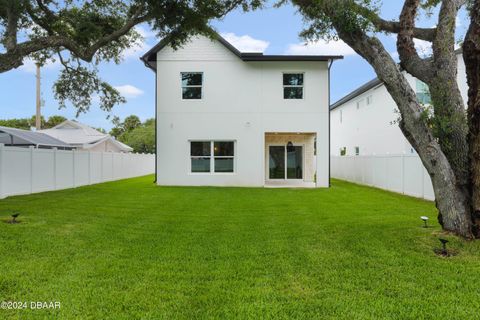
[
  {"x": 131, "y": 131},
  {"x": 28, "y": 123},
  {"x": 82, "y": 34}
]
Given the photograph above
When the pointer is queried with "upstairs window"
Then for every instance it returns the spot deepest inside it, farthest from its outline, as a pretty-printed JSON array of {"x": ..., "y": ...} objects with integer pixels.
[
  {"x": 423, "y": 93},
  {"x": 293, "y": 86},
  {"x": 192, "y": 85}
]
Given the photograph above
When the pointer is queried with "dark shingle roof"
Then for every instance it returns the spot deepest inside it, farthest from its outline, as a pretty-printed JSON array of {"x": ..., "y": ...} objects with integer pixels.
[
  {"x": 364, "y": 88},
  {"x": 149, "y": 58},
  {"x": 367, "y": 86}
]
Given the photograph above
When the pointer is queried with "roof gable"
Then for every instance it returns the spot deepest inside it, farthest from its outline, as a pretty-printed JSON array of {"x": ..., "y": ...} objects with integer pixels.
[
  {"x": 73, "y": 132},
  {"x": 150, "y": 57}
]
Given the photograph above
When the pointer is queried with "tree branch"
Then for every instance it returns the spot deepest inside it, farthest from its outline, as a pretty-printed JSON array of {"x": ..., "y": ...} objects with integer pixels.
[
  {"x": 389, "y": 26},
  {"x": 13, "y": 58},
  {"x": 409, "y": 58},
  {"x": 11, "y": 27},
  {"x": 444, "y": 42}
]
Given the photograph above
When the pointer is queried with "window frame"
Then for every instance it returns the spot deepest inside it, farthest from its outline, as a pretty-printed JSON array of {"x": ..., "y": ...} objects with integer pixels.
[
  {"x": 212, "y": 157},
  {"x": 192, "y": 86},
  {"x": 293, "y": 86}
]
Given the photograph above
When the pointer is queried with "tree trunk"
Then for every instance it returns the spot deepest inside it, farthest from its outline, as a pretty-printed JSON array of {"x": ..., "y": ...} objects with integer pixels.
[
  {"x": 452, "y": 199},
  {"x": 442, "y": 147},
  {"x": 471, "y": 56}
]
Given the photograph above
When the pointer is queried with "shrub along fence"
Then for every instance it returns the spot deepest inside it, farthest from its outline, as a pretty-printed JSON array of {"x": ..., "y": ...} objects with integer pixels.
[
  {"x": 398, "y": 173},
  {"x": 32, "y": 170}
]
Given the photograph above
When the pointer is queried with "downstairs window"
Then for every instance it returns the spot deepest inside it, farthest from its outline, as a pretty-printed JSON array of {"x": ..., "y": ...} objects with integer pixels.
[{"x": 212, "y": 156}]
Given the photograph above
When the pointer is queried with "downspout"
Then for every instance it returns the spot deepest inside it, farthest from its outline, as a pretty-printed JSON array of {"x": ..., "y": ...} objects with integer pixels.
[
  {"x": 156, "y": 120},
  {"x": 144, "y": 59},
  {"x": 329, "y": 139}
]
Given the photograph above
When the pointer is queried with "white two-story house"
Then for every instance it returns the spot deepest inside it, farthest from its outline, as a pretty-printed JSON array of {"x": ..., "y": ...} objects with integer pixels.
[
  {"x": 364, "y": 122},
  {"x": 226, "y": 118}
]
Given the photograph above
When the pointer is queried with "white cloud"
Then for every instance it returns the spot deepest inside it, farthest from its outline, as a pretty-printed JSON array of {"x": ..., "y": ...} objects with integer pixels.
[
  {"x": 30, "y": 67},
  {"x": 320, "y": 47},
  {"x": 144, "y": 31},
  {"x": 140, "y": 46},
  {"x": 246, "y": 43},
  {"x": 136, "y": 50},
  {"x": 129, "y": 91}
]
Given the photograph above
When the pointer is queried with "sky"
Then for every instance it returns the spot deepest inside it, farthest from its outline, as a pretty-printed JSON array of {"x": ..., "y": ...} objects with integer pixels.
[{"x": 271, "y": 30}]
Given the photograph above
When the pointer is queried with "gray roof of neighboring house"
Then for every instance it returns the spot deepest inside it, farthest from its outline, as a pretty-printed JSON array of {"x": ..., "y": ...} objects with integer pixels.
[
  {"x": 74, "y": 133},
  {"x": 365, "y": 87},
  {"x": 19, "y": 137},
  {"x": 78, "y": 134},
  {"x": 355, "y": 93},
  {"x": 149, "y": 58}
]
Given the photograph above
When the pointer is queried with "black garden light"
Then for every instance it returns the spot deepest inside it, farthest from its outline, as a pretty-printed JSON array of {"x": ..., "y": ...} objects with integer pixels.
[
  {"x": 444, "y": 245},
  {"x": 14, "y": 217},
  {"x": 425, "y": 220}
]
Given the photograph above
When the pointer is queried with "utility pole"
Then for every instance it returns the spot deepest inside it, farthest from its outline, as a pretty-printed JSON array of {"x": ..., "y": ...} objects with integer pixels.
[{"x": 38, "y": 115}]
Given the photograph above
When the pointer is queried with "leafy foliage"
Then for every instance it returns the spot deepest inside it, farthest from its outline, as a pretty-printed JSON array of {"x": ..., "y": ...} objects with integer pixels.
[
  {"x": 141, "y": 139},
  {"x": 140, "y": 136},
  {"x": 27, "y": 123},
  {"x": 82, "y": 34}
]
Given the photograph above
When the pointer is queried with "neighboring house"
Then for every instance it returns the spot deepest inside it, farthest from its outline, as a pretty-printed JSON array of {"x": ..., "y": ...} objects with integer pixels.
[
  {"x": 24, "y": 138},
  {"x": 85, "y": 138},
  {"x": 364, "y": 121},
  {"x": 226, "y": 118}
]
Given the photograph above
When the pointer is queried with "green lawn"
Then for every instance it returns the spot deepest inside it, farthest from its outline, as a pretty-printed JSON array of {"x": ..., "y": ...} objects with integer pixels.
[{"x": 131, "y": 250}]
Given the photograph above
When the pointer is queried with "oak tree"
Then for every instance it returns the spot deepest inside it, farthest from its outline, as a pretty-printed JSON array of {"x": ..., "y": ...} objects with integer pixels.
[
  {"x": 447, "y": 140},
  {"x": 82, "y": 34}
]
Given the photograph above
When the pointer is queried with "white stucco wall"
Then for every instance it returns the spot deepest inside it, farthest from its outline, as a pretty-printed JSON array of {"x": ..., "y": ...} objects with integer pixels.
[
  {"x": 373, "y": 127},
  {"x": 241, "y": 102}
]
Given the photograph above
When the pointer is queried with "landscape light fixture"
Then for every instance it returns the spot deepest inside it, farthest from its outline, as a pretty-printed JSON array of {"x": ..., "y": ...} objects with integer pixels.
[
  {"x": 444, "y": 245},
  {"x": 14, "y": 217},
  {"x": 425, "y": 219}
]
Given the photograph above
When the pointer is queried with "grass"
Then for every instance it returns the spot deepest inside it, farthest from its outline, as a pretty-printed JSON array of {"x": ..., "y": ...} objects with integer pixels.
[{"x": 131, "y": 250}]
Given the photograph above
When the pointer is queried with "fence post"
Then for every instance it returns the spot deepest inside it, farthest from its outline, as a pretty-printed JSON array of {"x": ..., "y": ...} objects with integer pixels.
[
  {"x": 89, "y": 167},
  {"x": 403, "y": 173},
  {"x": 101, "y": 167},
  {"x": 73, "y": 168},
  {"x": 112, "y": 155},
  {"x": 31, "y": 168},
  {"x": 54, "y": 168},
  {"x": 2, "y": 169}
]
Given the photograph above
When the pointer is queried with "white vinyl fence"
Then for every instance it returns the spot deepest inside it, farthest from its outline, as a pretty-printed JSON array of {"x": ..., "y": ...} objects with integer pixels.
[
  {"x": 31, "y": 170},
  {"x": 398, "y": 173}
]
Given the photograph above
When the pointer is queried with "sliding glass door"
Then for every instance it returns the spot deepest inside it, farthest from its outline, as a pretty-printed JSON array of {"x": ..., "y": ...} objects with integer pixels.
[
  {"x": 285, "y": 162},
  {"x": 277, "y": 162}
]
